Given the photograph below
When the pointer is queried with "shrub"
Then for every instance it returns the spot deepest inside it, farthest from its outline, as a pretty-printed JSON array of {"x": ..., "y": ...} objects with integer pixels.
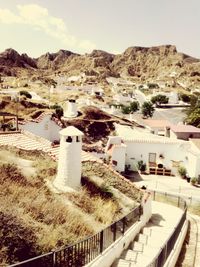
[
  {"x": 126, "y": 109},
  {"x": 185, "y": 98},
  {"x": 25, "y": 93},
  {"x": 141, "y": 165},
  {"x": 182, "y": 171},
  {"x": 147, "y": 109},
  {"x": 159, "y": 99},
  {"x": 193, "y": 180}
]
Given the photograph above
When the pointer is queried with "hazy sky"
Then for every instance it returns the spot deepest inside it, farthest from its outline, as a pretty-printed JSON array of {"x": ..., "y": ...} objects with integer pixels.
[{"x": 38, "y": 26}]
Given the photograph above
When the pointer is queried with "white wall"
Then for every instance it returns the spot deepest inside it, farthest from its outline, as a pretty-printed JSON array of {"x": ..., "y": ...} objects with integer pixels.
[
  {"x": 140, "y": 151},
  {"x": 119, "y": 155},
  {"x": 47, "y": 128},
  {"x": 194, "y": 161}
]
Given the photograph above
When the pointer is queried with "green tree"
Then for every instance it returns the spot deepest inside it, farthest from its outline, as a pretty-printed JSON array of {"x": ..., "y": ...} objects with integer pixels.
[
  {"x": 160, "y": 99},
  {"x": 25, "y": 93},
  {"x": 193, "y": 112},
  {"x": 147, "y": 109},
  {"x": 134, "y": 106},
  {"x": 126, "y": 109},
  {"x": 184, "y": 97}
]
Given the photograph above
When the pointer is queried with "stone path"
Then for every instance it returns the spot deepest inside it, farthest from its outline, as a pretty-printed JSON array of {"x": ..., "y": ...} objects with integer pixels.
[
  {"x": 152, "y": 238},
  {"x": 190, "y": 253}
]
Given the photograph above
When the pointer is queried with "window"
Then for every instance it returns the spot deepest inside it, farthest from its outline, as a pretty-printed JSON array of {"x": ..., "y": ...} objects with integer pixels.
[
  {"x": 114, "y": 162},
  {"x": 69, "y": 139},
  {"x": 78, "y": 139}
]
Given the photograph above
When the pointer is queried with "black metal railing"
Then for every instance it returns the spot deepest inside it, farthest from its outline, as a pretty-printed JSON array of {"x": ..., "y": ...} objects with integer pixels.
[
  {"x": 83, "y": 252},
  {"x": 164, "y": 253}
]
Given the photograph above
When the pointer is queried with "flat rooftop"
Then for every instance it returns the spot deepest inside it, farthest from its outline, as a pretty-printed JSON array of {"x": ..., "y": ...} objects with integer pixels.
[{"x": 185, "y": 129}]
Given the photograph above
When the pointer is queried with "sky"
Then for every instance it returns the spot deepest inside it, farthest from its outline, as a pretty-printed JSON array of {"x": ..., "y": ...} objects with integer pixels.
[{"x": 39, "y": 26}]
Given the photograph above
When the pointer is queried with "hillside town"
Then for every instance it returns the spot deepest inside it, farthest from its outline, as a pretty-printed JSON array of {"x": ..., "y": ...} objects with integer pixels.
[
  {"x": 151, "y": 148},
  {"x": 99, "y": 133}
]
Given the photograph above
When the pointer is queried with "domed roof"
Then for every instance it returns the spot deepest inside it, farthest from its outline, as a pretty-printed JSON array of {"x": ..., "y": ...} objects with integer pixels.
[{"x": 71, "y": 131}]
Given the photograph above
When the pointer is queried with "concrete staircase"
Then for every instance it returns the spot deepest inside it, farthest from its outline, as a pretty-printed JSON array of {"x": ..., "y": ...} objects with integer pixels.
[{"x": 149, "y": 242}]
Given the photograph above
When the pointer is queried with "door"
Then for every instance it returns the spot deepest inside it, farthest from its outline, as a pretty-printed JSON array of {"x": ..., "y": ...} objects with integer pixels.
[{"x": 152, "y": 159}]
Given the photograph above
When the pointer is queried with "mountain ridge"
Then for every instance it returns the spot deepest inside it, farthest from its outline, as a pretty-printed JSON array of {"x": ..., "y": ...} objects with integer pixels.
[{"x": 139, "y": 62}]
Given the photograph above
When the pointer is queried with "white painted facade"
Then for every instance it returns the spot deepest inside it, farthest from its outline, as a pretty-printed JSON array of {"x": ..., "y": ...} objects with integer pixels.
[
  {"x": 69, "y": 164},
  {"x": 170, "y": 153},
  {"x": 46, "y": 128},
  {"x": 117, "y": 150}
]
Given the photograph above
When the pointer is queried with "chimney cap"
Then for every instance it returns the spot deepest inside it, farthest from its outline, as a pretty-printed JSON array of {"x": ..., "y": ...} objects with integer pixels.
[{"x": 71, "y": 131}]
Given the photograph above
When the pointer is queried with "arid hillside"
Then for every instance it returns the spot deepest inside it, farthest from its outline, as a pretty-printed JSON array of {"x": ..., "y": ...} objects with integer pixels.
[
  {"x": 35, "y": 219},
  {"x": 137, "y": 62}
]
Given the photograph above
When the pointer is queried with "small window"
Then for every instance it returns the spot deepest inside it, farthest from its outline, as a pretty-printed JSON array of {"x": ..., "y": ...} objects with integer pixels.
[
  {"x": 114, "y": 162},
  {"x": 69, "y": 139},
  {"x": 78, "y": 139}
]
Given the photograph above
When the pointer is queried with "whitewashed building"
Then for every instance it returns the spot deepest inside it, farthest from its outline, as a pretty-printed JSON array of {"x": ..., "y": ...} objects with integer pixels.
[
  {"x": 43, "y": 126},
  {"x": 162, "y": 155}
]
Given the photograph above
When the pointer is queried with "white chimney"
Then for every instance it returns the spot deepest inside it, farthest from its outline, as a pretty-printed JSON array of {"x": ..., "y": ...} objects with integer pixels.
[
  {"x": 71, "y": 110},
  {"x": 69, "y": 164}
]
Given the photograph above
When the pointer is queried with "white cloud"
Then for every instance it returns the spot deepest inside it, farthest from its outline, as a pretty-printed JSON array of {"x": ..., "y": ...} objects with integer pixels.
[
  {"x": 39, "y": 18},
  {"x": 7, "y": 17}
]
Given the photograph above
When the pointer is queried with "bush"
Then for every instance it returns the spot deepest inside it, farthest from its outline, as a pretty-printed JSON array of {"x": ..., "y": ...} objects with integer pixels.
[
  {"x": 159, "y": 99},
  {"x": 182, "y": 171},
  {"x": 126, "y": 109},
  {"x": 185, "y": 98},
  {"x": 193, "y": 180},
  {"x": 141, "y": 165},
  {"x": 147, "y": 109},
  {"x": 26, "y": 94}
]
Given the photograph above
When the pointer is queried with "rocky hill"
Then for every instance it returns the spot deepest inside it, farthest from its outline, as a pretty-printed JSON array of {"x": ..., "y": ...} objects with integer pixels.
[{"x": 137, "y": 62}]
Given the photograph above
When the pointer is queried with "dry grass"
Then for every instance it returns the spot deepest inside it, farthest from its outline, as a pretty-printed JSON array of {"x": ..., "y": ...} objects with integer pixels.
[
  {"x": 93, "y": 205},
  {"x": 34, "y": 220},
  {"x": 111, "y": 179}
]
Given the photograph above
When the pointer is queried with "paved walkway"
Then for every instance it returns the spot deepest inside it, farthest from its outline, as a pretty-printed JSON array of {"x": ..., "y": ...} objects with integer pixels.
[
  {"x": 171, "y": 184},
  {"x": 153, "y": 236},
  {"x": 190, "y": 253}
]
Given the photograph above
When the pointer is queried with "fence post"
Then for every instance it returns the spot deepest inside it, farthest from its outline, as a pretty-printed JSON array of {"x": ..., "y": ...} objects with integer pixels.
[
  {"x": 53, "y": 258},
  {"x": 114, "y": 231},
  {"x": 101, "y": 241},
  {"x": 154, "y": 195},
  {"x": 178, "y": 201},
  {"x": 124, "y": 223}
]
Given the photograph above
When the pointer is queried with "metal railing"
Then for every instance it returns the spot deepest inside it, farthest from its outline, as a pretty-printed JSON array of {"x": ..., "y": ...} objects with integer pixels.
[
  {"x": 83, "y": 252},
  {"x": 161, "y": 258}
]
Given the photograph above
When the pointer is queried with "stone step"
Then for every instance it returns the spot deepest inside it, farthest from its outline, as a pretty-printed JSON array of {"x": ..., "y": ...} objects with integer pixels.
[
  {"x": 123, "y": 263},
  {"x": 147, "y": 231},
  {"x": 142, "y": 238},
  {"x": 137, "y": 246},
  {"x": 129, "y": 255}
]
